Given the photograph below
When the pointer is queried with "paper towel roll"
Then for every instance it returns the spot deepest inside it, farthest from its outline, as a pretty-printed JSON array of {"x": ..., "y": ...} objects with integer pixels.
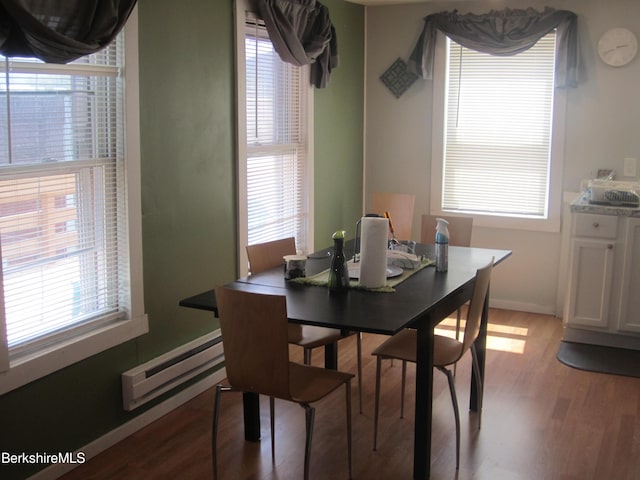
[{"x": 373, "y": 252}]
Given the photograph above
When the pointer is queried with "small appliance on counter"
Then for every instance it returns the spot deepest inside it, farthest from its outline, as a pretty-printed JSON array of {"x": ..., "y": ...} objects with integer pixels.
[{"x": 614, "y": 193}]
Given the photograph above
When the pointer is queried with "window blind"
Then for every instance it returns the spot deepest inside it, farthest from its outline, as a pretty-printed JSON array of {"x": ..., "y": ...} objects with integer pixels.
[
  {"x": 498, "y": 131},
  {"x": 276, "y": 95},
  {"x": 62, "y": 217}
]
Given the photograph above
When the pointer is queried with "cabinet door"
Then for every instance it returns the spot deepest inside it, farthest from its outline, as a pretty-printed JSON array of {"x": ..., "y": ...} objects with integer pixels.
[
  {"x": 629, "y": 316},
  {"x": 591, "y": 275}
]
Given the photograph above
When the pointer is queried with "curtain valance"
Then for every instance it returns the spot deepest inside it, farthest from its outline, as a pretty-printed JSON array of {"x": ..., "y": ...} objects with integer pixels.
[
  {"x": 504, "y": 32},
  {"x": 302, "y": 33},
  {"x": 60, "y": 31}
]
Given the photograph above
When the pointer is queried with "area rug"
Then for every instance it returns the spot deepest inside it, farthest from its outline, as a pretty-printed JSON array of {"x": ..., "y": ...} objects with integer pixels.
[{"x": 595, "y": 358}]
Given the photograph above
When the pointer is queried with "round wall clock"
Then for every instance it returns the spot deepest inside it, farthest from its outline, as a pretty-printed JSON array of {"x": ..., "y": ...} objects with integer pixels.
[{"x": 617, "y": 46}]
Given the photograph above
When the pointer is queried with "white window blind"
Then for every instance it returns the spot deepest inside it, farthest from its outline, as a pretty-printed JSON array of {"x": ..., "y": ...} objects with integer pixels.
[
  {"x": 276, "y": 141},
  {"x": 63, "y": 223},
  {"x": 498, "y": 131}
]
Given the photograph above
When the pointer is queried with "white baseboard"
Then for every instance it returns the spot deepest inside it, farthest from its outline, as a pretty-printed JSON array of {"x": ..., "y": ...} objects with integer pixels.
[
  {"x": 123, "y": 431},
  {"x": 523, "y": 307}
]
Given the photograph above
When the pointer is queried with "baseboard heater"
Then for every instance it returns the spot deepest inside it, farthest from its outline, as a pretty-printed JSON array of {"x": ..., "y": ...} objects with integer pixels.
[{"x": 159, "y": 375}]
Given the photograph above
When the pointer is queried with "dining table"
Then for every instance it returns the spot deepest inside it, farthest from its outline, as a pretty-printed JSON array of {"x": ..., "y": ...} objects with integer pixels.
[{"x": 421, "y": 301}]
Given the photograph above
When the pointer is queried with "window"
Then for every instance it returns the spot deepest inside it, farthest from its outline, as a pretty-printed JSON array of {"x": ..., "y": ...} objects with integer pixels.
[
  {"x": 498, "y": 158},
  {"x": 274, "y": 143},
  {"x": 69, "y": 210}
]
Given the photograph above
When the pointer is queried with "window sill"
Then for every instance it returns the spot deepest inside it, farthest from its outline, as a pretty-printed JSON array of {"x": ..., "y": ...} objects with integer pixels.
[
  {"x": 32, "y": 367},
  {"x": 551, "y": 224}
]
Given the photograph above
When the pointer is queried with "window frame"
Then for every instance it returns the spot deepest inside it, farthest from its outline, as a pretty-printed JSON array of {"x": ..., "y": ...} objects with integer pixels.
[
  {"x": 553, "y": 221},
  {"x": 18, "y": 370},
  {"x": 241, "y": 7}
]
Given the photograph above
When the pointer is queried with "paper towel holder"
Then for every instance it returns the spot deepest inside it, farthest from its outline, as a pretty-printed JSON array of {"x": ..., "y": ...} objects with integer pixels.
[{"x": 356, "y": 248}]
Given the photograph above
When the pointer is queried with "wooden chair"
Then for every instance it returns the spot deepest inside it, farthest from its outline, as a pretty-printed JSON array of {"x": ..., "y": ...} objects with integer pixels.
[
  {"x": 400, "y": 207},
  {"x": 264, "y": 256},
  {"x": 254, "y": 336},
  {"x": 460, "y": 229},
  {"x": 447, "y": 351}
]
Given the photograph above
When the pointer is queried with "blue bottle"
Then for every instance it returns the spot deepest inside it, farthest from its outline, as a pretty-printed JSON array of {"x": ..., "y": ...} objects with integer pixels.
[{"x": 442, "y": 245}]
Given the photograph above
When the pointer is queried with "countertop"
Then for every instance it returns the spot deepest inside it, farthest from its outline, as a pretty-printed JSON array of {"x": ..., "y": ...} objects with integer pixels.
[{"x": 581, "y": 205}]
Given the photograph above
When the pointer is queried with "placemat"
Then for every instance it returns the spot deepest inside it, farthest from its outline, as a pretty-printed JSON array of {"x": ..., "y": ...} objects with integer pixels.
[{"x": 321, "y": 279}]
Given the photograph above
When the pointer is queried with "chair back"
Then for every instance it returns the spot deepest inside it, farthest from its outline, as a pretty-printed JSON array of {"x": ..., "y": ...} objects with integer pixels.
[
  {"x": 478, "y": 297},
  {"x": 400, "y": 207},
  {"x": 459, "y": 230},
  {"x": 263, "y": 256},
  {"x": 254, "y": 337}
]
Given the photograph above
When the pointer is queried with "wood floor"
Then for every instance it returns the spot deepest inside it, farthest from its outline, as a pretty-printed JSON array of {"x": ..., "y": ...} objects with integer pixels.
[{"x": 541, "y": 420}]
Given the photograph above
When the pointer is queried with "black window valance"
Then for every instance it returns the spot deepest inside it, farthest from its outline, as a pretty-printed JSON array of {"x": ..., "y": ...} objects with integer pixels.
[
  {"x": 504, "y": 32},
  {"x": 302, "y": 33},
  {"x": 60, "y": 31}
]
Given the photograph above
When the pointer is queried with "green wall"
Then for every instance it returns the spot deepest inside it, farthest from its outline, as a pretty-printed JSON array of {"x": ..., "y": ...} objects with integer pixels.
[
  {"x": 339, "y": 130},
  {"x": 189, "y": 207}
]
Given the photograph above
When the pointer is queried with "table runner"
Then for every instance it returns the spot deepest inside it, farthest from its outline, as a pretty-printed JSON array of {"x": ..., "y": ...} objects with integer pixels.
[{"x": 321, "y": 279}]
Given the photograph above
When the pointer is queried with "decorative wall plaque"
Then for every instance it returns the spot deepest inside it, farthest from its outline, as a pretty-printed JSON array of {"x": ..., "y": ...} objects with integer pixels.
[{"x": 397, "y": 78}]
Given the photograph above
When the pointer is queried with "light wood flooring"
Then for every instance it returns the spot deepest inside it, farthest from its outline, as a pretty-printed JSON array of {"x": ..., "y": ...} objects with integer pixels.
[{"x": 541, "y": 420}]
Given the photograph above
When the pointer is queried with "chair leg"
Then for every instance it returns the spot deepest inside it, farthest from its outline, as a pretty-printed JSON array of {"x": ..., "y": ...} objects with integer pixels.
[
  {"x": 310, "y": 413},
  {"x": 479, "y": 387},
  {"x": 458, "y": 318},
  {"x": 273, "y": 429},
  {"x": 402, "y": 387},
  {"x": 456, "y": 412},
  {"x": 348, "y": 388},
  {"x": 376, "y": 409},
  {"x": 214, "y": 428},
  {"x": 359, "y": 353}
]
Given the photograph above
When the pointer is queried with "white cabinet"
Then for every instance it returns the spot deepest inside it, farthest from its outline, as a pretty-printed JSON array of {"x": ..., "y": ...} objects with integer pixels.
[
  {"x": 629, "y": 300},
  {"x": 591, "y": 270},
  {"x": 603, "y": 295}
]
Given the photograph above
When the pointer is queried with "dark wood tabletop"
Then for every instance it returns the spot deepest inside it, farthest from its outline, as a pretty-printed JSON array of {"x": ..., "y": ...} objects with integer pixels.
[
  {"x": 358, "y": 310},
  {"x": 421, "y": 301}
]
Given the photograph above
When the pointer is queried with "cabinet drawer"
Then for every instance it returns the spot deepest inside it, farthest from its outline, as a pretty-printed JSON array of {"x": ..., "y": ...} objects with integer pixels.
[{"x": 595, "y": 226}]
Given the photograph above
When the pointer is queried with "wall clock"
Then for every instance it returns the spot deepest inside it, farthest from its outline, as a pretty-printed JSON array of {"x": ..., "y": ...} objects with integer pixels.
[{"x": 617, "y": 46}]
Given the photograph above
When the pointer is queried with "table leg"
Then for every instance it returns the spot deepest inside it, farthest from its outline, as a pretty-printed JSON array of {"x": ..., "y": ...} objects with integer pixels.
[
  {"x": 331, "y": 356},
  {"x": 481, "y": 352},
  {"x": 251, "y": 408},
  {"x": 423, "y": 405}
]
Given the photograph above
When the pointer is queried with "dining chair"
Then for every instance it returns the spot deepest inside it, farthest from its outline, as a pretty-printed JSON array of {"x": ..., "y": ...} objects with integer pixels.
[
  {"x": 446, "y": 351},
  {"x": 256, "y": 353},
  {"x": 460, "y": 230},
  {"x": 267, "y": 255},
  {"x": 400, "y": 207}
]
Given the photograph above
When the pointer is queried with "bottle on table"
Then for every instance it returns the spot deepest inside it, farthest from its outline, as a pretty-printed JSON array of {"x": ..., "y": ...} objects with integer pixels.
[{"x": 442, "y": 245}]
